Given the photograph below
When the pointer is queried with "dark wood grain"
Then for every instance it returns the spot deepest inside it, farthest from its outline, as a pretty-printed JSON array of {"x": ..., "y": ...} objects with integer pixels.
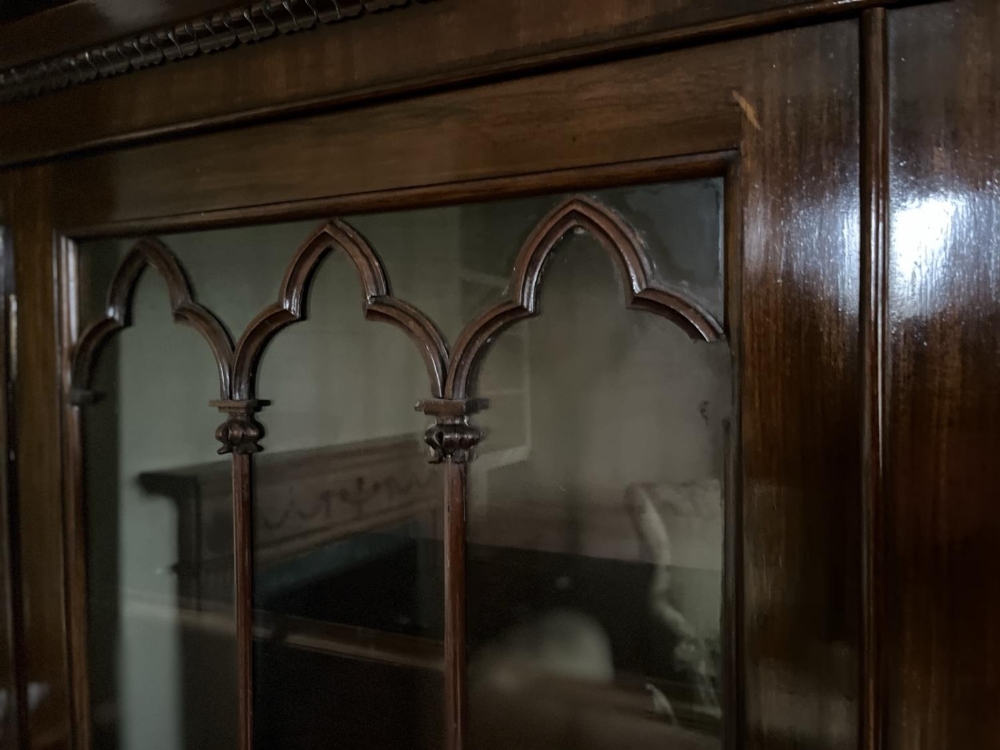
[
  {"x": 453, "y": 441},
  {"x": 455, "y": 649},
  {"x": 442, "y": 43},
  {"x": 942, "y": 571},
  {"x": 874, "y": 229},
  {"x": 74, "y": 504},
  {"x": 800, "y": 386},
  {"x": 622, "y": 112},
  {"x": 733, "y": 705},
  {"x": 243, "y": 592},
  {"x": 596, "y": 176},
  {"x": 14, "y": 721},
  {"x": 39, "y": 471}
]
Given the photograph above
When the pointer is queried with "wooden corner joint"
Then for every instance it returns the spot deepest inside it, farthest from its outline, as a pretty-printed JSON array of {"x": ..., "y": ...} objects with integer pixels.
[
  {"x": 240, "y": 433},
  {"x": 452, "y": 437}
]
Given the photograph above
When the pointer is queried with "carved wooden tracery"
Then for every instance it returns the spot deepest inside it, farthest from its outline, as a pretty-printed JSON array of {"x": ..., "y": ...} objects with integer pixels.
[
  {"x": 379, "y": 304},
  {"x": 150, "y": 253},
  {"x": 453, "y": 436},
  {"x": 627, "y": 251},
  {"x": 450, "y": 377},
  {"x": 451, "y": 380}
]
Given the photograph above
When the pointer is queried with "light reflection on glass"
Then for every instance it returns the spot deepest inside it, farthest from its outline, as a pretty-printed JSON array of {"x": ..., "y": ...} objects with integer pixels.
[{"x": 595, "y": 519}]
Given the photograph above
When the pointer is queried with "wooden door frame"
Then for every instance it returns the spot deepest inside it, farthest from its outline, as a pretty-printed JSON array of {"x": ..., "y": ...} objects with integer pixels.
[{"x": 736, "y": 107}]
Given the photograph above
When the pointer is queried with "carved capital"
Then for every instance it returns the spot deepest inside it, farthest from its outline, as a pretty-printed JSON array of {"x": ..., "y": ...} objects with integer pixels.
[
  {"x": 451, "y": 437},
  {"x": 240, "y": 433}
]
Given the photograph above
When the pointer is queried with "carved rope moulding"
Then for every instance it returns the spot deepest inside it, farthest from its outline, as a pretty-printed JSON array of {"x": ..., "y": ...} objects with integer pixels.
[{"x": 244, "y": 24}]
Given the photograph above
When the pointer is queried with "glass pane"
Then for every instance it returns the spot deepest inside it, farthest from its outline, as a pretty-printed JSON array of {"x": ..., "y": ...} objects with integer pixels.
[
  {"x": 347, "y": 552},
  {"x": 595, "y": 518},
  {"x": 466, "y": 252},
  {"x": 237, "y": 272},
  {"x": 595, "y": 510},
  {"x": 158, "y": 512}
]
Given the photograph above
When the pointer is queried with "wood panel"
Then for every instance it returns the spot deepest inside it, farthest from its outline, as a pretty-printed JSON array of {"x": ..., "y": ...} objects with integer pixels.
[
  {"x": 942, "y": 571},
  {"x": 43, "y": 571},
  {"x": 800, "y": 385},
  {"x": 11, "y": 621},
  {"x": 874, "y": 212},
  {"x": 669, "y": 105},
  {"x": 433, "y": 44}
]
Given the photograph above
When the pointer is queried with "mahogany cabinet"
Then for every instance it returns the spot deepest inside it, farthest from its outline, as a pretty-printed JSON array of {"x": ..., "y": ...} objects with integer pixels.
[{"x": 578, "y": 374}]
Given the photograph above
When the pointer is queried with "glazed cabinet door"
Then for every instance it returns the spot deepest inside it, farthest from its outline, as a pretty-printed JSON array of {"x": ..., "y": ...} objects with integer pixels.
[{"x": 524, "y": 415}]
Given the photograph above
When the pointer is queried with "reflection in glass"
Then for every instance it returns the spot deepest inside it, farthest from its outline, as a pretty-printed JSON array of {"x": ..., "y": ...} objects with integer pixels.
[
  {"x": 595, "y": 510},
  {"x": 466, "y": 252},
  {"x": 162, "y": 650},
  {"x": 347, "y": 548},
  {"x": 595, "y": 573}
]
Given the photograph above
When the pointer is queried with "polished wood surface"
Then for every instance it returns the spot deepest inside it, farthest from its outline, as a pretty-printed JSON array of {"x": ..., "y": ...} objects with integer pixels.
[
  {"x": 595, "y": 176},
  {"x": 874, "y": 226},
  {"x": 456, "y": 710},
  {"x": 44, "y": 576},
  {"x": 12, "y": 619},
  {"x": 942, "y": 570},
  {"x": 800, "y": 366},
  {"x": 433, "y": 45},
  {"x": 243, "y": 593},
  {"x": 74, "y": 506},
  {"x": 684, "y": 99}
]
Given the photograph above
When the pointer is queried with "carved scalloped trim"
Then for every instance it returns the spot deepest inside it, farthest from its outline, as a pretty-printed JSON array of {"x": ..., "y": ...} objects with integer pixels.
[
  {"x": 150, "y": 253},
  {"x": 244, "y": 24},
  {"x": 625, "y": 248},
  {"x": 379, "y": 304}
]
